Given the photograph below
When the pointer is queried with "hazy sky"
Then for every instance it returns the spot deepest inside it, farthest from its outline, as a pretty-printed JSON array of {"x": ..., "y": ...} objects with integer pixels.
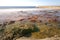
[{"x": 29, "y": 2}]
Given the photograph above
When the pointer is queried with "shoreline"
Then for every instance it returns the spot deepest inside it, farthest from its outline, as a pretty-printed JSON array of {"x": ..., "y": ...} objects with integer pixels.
[{"x": 24, "y": 9}]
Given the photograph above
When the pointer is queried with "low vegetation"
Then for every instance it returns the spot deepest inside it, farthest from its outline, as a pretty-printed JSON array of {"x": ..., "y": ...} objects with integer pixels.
[{"x": 29, "y": 29}]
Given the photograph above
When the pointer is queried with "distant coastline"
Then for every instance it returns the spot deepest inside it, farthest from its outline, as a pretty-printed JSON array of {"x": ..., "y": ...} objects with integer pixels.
[{"x": 49, "y": 7}]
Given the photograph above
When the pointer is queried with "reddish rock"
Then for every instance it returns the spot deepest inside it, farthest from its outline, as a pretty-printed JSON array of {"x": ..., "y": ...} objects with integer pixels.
[
  {"x": 21, "y": 19},
  {"x": 35, "y": 16},
  {"x": 11, "y": 22},
  {"x": 33, "y": 20}
]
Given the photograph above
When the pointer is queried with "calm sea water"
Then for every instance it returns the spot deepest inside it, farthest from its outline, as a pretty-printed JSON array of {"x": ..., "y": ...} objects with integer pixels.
[{"x": 21, "y": 9}]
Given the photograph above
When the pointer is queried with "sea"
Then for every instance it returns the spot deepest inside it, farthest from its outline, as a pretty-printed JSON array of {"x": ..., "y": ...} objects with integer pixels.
[{"x": 19, "y": 8}]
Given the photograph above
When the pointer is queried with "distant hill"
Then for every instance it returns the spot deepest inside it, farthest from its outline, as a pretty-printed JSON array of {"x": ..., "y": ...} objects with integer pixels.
[{"x": 52, "y": 7}]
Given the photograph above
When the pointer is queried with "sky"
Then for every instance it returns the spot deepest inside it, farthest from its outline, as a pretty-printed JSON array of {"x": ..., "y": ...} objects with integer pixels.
[{"x": 29, "y": 2}]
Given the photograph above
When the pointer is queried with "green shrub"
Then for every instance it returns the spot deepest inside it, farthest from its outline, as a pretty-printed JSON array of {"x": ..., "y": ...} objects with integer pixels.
[{"x": 35, "y": 28}]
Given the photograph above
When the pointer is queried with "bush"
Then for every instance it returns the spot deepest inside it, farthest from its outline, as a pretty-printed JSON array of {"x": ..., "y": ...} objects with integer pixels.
[
  {"x": 29, "y": 29},
  {"x": 35, "y": 28},
  {"x": 26, "y": 32},
  {"x": 14, "y": 31}
]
